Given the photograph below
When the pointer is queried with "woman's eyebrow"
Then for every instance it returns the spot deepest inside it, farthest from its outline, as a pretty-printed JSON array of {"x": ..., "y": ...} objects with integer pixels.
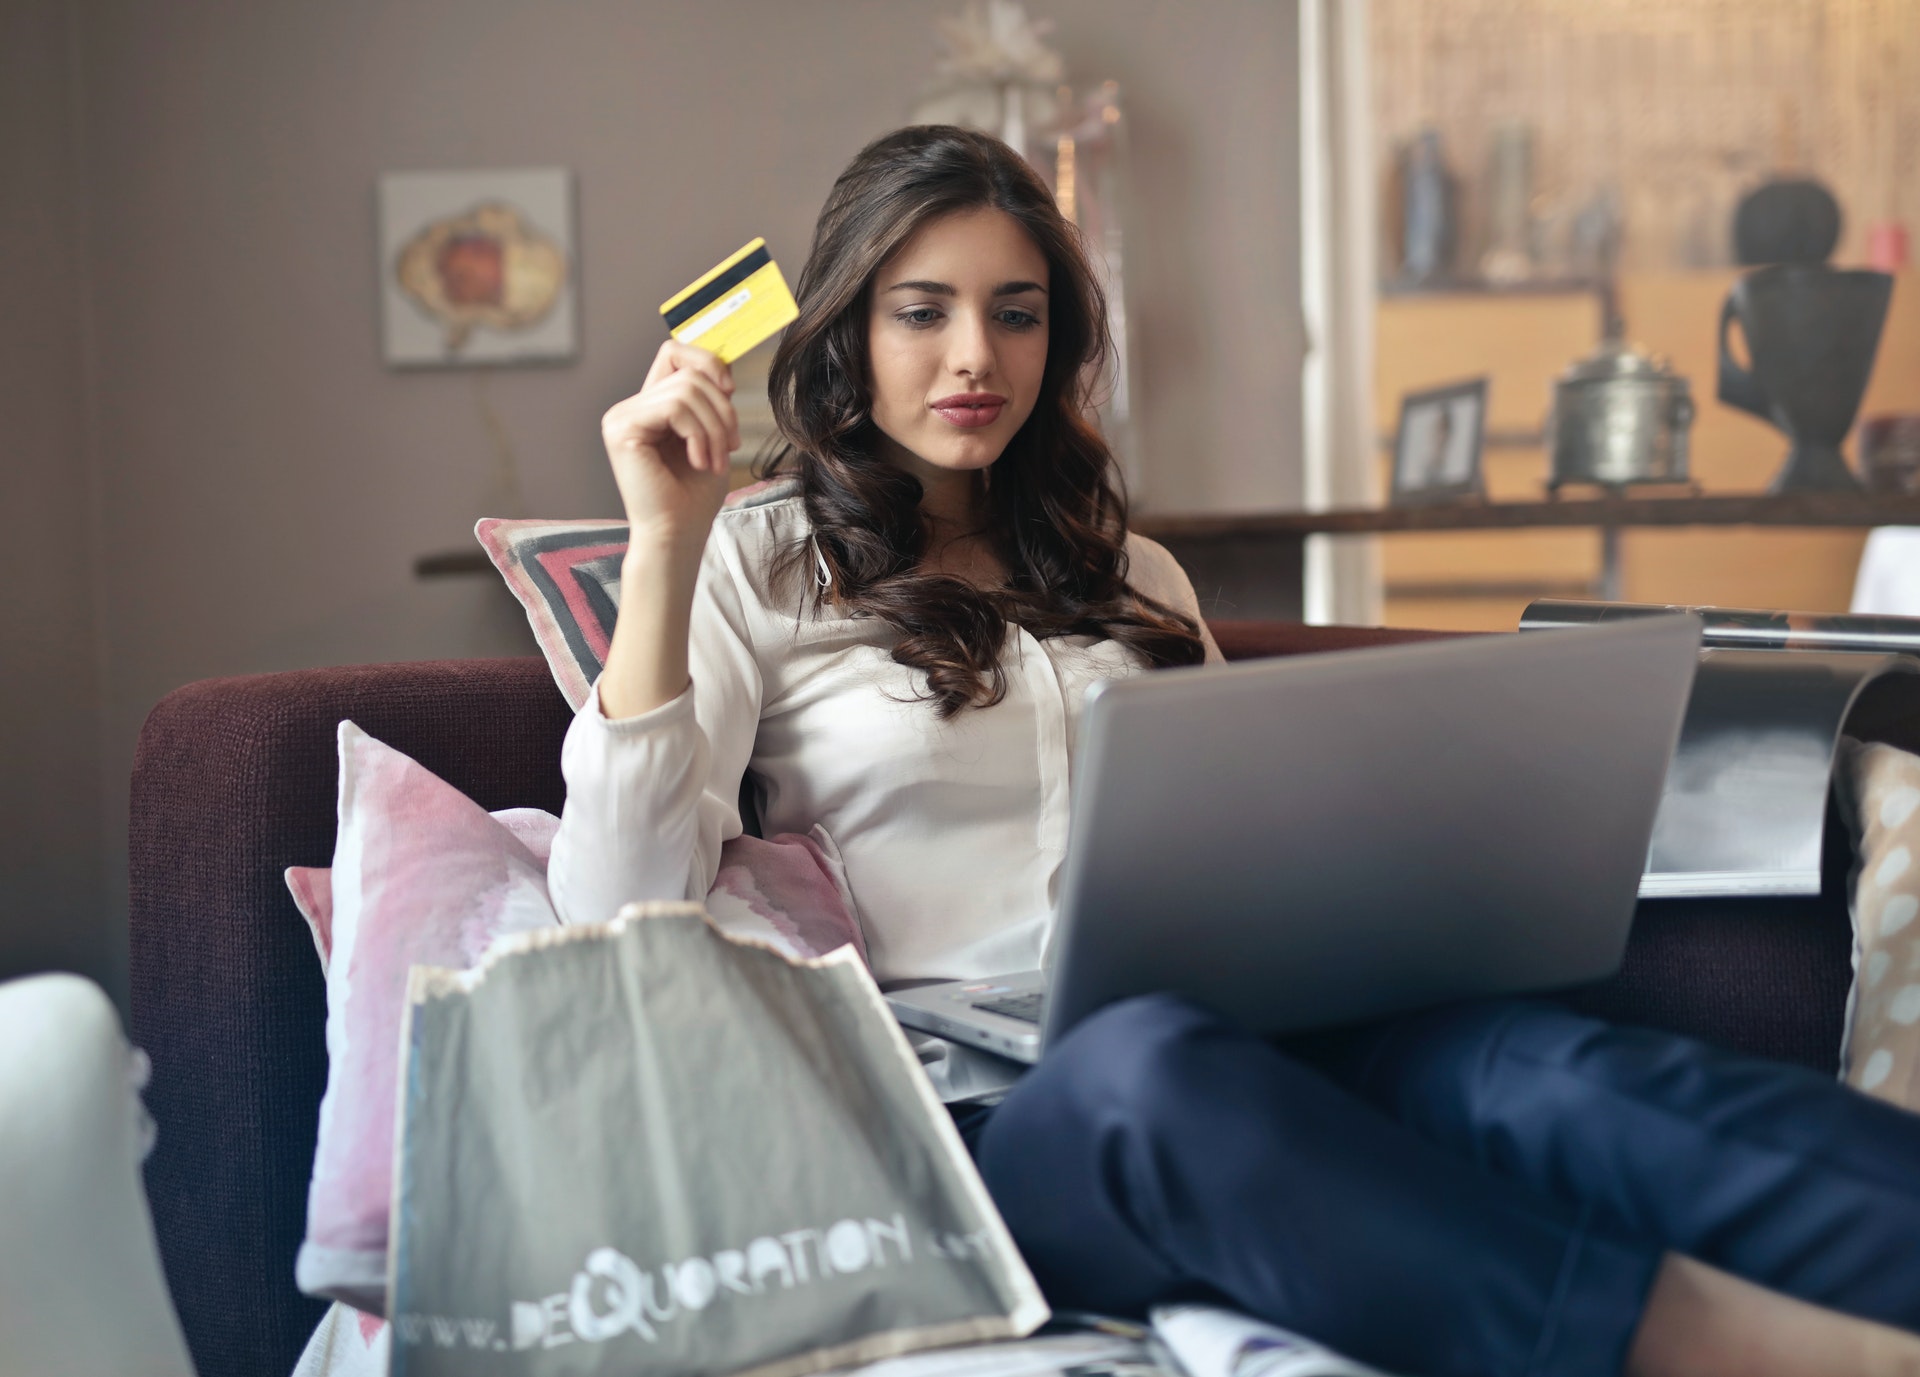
[{"x": 946, "y": 289}]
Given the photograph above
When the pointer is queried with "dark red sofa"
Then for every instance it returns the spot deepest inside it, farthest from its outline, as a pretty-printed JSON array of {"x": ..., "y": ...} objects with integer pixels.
[{"x": 234, "y": 781}]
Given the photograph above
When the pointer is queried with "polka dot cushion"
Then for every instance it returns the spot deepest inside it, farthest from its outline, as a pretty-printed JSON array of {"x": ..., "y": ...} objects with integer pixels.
[{"x": 1881, "y": 794}]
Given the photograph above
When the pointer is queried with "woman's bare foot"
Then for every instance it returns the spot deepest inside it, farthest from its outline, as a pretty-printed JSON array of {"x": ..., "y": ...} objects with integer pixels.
[{"x": 1702, "y": 1322}]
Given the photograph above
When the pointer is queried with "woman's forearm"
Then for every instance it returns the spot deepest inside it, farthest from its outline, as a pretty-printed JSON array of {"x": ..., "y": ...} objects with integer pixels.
[{"x": 647, "y": 661}]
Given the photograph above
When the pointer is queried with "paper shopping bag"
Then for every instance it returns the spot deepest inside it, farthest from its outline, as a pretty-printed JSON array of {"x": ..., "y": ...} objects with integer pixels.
[{"x": 646, "y": 1147}]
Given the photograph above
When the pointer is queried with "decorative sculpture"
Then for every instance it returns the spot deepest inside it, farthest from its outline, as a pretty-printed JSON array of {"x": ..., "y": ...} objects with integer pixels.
[{"x": 1812, "y": 332}]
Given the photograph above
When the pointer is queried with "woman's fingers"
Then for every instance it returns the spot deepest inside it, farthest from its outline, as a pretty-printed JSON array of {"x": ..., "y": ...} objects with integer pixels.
[
  {"x": 650, "y": 416},
  {"x": 694, "y": 436},
  {"x": 701, "y": 411},
  {"x": 720, "y": 399},
  {"x": 675, "y": 357},
  {"x": 699, "y": 397},
  {"x": 669, "y": 358},
  {"x": 689, "y": 365}
]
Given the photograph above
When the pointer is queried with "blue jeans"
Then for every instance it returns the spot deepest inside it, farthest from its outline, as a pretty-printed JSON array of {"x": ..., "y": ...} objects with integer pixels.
[{"x": 1482, "y": 1189}]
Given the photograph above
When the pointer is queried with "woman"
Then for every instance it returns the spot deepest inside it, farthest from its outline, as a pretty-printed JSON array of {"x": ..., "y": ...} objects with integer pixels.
[{"x": 891, "y": 644}]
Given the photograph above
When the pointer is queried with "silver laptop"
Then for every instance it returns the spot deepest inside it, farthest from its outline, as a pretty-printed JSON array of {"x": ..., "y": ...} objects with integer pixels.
[{"x": 1327, "y": 838}]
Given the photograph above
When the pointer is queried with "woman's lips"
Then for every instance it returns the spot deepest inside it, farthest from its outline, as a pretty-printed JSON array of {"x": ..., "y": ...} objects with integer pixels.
[{"x": 969, "y": 413}]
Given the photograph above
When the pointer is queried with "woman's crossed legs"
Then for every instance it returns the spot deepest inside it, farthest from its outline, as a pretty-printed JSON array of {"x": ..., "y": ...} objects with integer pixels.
[{"x": 1491, "y": 1188}]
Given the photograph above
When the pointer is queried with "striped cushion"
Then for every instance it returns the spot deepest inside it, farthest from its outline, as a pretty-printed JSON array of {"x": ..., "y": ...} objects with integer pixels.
[{"x": 567, "y": 576}]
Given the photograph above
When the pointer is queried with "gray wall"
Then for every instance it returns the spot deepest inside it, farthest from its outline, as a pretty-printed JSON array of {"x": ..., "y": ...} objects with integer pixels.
[
  {"x": 54, "y": 893},
  {"x": 262, "y": 484}
]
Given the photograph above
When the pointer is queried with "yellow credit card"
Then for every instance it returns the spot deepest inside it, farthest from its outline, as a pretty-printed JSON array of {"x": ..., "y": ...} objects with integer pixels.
[{"x": 737, "y": 306}]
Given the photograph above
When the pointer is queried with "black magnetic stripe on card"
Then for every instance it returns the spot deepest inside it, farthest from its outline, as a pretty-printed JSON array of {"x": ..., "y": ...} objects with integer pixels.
[{"x": 717, "y": 288}]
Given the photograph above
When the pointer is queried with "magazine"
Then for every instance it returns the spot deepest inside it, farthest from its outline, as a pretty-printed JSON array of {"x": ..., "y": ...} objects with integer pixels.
[
  {"x": 1210, "y": 1342},
  {"x": 1076, "y": 1346},
  {"x": 1182, "y": 1341}
]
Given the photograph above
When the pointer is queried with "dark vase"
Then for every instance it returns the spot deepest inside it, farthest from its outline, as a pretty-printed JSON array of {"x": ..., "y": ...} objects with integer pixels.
[
  {"x": 1428, "y": 231},
  {"x": 1788, "y": 220},
  {"x": 1812, "y": 332}
]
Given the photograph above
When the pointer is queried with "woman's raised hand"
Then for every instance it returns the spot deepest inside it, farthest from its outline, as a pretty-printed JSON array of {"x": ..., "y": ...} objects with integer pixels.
[{"x": 670, "y": 446}]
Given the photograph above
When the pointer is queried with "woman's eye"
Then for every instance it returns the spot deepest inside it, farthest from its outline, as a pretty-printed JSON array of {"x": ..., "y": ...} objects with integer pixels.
[
  {"x": 1019, "y": 320},
  {"x": 919, "y": 318}
]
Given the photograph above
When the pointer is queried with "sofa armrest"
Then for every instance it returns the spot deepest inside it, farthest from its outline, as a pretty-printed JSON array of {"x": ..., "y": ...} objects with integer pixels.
[{"x": 233, "y": 781}]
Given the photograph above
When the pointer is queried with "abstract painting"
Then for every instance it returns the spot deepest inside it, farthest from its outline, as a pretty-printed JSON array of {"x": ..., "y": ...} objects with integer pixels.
[{"x": 477, "y": 267}]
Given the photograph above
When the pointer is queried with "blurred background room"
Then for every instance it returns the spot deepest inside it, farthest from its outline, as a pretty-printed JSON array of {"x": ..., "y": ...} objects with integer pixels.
[
  {"x": 1603, "y": 150},
  {"x": 237, "y": 440}
]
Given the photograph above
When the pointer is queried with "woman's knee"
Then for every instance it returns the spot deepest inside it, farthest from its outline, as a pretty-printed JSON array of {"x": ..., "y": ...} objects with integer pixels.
[
  {"x": 1063, "y": 1153},
  {"x": 1149, "y": 1079},
  {"x": 1131, "y": 1057},
  {"x": 1112, "y": 1078}
]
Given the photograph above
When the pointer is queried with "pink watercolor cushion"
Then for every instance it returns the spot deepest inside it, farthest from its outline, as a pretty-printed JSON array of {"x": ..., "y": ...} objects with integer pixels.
[
  {"x": 788, "y": 891},
  {"x": 422, "y": 875},
  {"x": 1880, "y": 796},
  {"x": 312, "y": 885}
]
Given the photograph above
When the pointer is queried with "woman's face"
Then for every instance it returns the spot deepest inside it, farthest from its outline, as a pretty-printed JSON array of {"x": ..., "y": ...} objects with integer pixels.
[{"x": 957, "y": 342}]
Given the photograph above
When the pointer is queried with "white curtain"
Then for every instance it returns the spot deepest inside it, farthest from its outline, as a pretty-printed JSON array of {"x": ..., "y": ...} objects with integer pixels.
[{"x": 1338, "y": 213}]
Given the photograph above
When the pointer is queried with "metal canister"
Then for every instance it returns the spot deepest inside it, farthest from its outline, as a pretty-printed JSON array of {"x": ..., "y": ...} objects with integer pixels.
[{"x": 1619, "y": 417}]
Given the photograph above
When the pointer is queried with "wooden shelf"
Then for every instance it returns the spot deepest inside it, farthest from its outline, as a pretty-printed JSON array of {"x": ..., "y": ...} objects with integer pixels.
[
  {"x": 452, "y": 564},
  {"x": 1794, "y": 509},
  {"x": 1474, "y": 286},
  {"x": 1493, "y": 439}
]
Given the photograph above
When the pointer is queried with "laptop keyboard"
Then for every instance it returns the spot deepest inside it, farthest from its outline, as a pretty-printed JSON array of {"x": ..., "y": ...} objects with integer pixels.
[{"x": 1025, "y": 1007}]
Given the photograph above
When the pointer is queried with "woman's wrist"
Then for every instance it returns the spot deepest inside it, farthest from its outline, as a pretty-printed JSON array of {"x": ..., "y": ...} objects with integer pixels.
[
  {"x": 659, "y": 545},
  {"x": 656, "y": 563}
]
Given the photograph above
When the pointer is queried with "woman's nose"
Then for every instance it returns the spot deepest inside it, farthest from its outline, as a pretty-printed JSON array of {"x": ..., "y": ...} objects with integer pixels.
[{"x": 970, "y": 347}]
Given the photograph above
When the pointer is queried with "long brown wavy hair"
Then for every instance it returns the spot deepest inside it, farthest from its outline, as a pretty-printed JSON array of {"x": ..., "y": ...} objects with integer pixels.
[{"x": 1056, "y": 514}]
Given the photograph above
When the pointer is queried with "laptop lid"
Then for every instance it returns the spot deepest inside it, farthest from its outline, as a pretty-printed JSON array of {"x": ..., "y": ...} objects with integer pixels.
[{"x": 1323, "y": 839}]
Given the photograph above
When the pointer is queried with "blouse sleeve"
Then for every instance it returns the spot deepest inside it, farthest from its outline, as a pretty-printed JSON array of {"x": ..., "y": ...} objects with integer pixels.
[{"x": 651, "y": 798}]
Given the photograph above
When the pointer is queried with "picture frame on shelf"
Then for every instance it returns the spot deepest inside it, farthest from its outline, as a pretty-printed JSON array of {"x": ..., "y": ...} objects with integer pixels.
[{"x": 1437, "y": 446}]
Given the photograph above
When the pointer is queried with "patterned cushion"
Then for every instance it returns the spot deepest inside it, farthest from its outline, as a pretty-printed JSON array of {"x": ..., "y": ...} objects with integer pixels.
[
  {"x": 566, "y": 574},
  {"x": 1881, "y": 1054}
]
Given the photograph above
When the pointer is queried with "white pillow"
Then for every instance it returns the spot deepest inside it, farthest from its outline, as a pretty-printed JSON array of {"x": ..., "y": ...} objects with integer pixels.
[{"x": 81, "y": 1288}]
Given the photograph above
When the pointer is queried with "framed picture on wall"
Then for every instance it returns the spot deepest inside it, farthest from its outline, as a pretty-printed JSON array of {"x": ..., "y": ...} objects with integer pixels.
[
  {"x": 477, "y": 267},
  {"x": 1436, "y": 451}
]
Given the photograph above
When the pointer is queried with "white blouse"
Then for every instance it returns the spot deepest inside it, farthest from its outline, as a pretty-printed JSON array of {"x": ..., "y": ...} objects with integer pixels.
[{"x": 951, "y": 833}]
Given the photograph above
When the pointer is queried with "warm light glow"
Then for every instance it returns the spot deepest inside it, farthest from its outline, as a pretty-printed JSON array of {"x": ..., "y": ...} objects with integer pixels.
[{"x": 1063, "y": 167}]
